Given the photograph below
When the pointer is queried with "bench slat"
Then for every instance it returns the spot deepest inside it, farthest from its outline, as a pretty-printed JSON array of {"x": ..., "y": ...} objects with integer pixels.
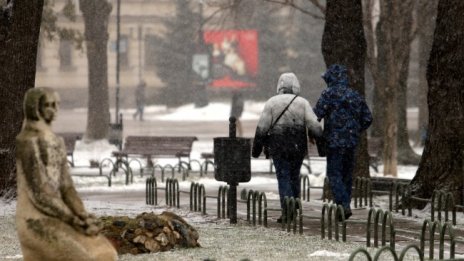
[{"x": 157, "y": 146}]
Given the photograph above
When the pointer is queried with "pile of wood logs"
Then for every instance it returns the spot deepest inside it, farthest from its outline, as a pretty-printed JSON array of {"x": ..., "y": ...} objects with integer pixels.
[{"x": 149, "y": 233}]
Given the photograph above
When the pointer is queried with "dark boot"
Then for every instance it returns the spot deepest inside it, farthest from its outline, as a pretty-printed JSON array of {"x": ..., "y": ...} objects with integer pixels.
[{"x": 348, "y": 213}]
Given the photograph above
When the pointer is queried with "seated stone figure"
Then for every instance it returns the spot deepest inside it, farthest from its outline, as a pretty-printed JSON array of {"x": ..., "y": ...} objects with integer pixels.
[{"x": 51, "y": 220}]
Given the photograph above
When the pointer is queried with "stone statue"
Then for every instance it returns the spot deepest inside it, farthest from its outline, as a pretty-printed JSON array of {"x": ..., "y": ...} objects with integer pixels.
[{"x": 51, "y": 220}]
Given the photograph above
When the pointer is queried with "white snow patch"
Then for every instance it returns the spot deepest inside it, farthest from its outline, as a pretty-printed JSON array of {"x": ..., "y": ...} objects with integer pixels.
[
  {"x": 97, "y": 150},
  {"x": 328, "y": 254},
  {"x": 13, "y": 257},
  {"x": 213, "y": 112}
]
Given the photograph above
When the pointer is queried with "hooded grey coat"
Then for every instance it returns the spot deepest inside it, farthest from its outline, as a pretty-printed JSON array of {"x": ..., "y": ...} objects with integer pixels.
[{"x": 288, "y": 137}]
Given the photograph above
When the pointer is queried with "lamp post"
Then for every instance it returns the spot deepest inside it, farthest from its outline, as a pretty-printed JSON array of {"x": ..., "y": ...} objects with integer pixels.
[
  {"x": 201, "y": 64},
  {"x": 118, "y": 38},
  {"x": 115, "y": 131},
  {"x": 140, "y": 51},
  {"x": 200, "y": 30}
]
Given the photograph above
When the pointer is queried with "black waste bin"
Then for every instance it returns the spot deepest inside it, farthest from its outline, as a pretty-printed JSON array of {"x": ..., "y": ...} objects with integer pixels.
[{"x": 232, "y": 159}]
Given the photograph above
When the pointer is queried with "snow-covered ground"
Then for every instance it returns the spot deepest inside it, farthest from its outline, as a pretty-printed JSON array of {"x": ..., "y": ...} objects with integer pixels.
[{"x": 219, "y": 240}]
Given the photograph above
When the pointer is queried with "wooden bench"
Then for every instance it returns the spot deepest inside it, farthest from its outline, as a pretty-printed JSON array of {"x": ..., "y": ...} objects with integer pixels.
[
  {"x": 70, "y": 139},
  {"x": 151, "y": 147}
]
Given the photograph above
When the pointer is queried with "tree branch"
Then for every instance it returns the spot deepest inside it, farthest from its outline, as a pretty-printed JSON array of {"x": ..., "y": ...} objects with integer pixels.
[
  {"x": 300, "y": 8},
  {"x": 221, "y": 9},
  {"x": 317, "y": 4}
]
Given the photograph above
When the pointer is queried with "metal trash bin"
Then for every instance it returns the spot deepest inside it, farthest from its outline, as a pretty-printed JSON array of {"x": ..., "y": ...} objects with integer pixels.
[
  {"x": 232, "y": 164},
  {"x": 115, "y": 134},
  {"x": 232, "y": 159}
]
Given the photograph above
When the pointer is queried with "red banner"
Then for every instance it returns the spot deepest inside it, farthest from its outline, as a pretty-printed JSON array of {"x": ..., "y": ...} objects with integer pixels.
[{"x": 234, "y": 58}]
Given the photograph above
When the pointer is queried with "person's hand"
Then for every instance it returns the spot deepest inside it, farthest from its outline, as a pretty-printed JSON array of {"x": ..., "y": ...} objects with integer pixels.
[
  {"x": 83, "y": 215},
  {"x": 92, "y": 220},
  {"x": 312, "y": 141},
  {"x": 92, "y": 230},
  {"x": 266, "y": 152},
  {"x": 90, "y": 225},
  {"x": 78, "y": 222}
]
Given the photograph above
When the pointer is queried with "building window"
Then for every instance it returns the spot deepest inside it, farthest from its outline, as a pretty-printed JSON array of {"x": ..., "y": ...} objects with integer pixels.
[
  {"x": 65, "y": 54},
  {"x": 150, "y": 45}
]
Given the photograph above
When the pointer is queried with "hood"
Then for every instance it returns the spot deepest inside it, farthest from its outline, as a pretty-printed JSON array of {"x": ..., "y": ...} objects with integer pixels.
[
  {"x": 288, "y": 83},
  {"x": 336, "y": 75}
]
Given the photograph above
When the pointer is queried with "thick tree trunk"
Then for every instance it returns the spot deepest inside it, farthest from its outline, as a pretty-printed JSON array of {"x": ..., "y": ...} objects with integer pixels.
[
  {"x": 442, "y": 163},
  {"x": 377, "y": 66},
  {"x": 406, "y": 155},
  {"x": 343, "y": 42},
  {"x": 96, "y": 15},
  {"x": 18, "y": 50},
  {"x": 377, "y": 108},
  {"x": 426, "y": 14}
]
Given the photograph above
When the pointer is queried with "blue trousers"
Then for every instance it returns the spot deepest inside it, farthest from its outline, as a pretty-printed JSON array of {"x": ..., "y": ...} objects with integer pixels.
[
  {"x": 288, "y": 177},
  {"x": 340, "y": 165}
]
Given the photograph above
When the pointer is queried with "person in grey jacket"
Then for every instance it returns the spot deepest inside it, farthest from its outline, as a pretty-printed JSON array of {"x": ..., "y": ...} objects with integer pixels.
[{"x": 288, "y": 139}]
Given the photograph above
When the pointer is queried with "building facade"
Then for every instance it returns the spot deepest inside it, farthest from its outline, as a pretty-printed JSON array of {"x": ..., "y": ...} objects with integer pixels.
[{"x": 62, "y": 66}]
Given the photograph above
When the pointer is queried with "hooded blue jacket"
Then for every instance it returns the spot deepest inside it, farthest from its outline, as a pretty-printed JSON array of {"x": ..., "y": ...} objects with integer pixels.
[{"x": 343, "y": 109}]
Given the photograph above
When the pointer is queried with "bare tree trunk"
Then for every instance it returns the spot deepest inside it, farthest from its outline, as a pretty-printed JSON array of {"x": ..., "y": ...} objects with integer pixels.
[
  {"x": 377, "y": 107},
  {"x": 96, "y": 15},
  {"x": 343, "y": 42},
  {"x": 426, "y": 14},
  {"x": 19, "y": 35},
  {"x": 396, "y": 147},
  {"x": 390, "y": 130},
  {"x": 442, "y": 163},
  {"x": 376, "y": 63},
  {"x": 388, "y": 88},
  {"x": 388, "y": 54},
  {"x": 406, "y": 154}
]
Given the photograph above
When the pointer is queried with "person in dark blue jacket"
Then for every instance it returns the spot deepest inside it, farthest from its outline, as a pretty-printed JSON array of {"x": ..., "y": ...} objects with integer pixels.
[{"x": 345, "y": 115}]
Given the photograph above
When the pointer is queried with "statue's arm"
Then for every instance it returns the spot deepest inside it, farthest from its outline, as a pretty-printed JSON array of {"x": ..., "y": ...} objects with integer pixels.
[
  {"x": 72, "y": 200},
  {"x": 68, "y": 191},
  {"x": 42, "y": 194},
  {"x": 87, "y": 223}
]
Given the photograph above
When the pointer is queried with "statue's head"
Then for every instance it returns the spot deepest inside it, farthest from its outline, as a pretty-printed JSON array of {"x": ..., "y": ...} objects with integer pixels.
[{"x": 41, "y": 104}]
